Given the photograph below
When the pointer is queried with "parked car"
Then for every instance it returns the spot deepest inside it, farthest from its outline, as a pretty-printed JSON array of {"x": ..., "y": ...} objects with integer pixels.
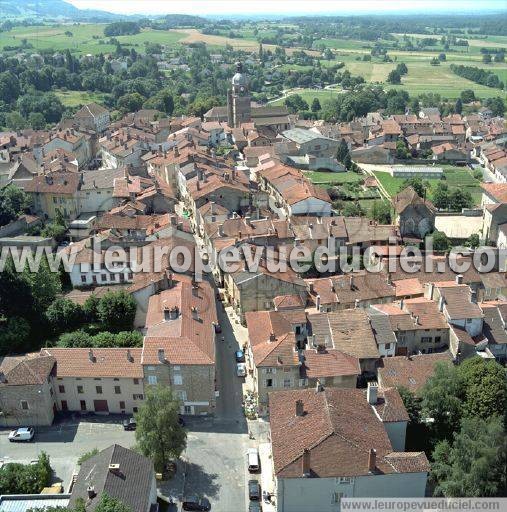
[
  {"x": 240, "y": 356},
  {"x": 129, "y": 424},
  {"x": 254, "y": 490},
  {"x": 218, "y": 328},
  {"x": 254, "y": 463},
  {"x": 241, "y": 369},
  {"x": 255, "y": 506},
  {"x": 21, "y": 434},
  {"x": 196, "y": 503}
]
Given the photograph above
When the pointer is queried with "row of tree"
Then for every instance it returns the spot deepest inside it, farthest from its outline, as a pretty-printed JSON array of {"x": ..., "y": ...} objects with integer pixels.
[{"x": 478, "y": 75}]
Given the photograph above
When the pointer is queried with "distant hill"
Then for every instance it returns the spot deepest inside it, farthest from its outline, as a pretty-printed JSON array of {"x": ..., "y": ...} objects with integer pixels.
[{"x": 51, "y": 9}]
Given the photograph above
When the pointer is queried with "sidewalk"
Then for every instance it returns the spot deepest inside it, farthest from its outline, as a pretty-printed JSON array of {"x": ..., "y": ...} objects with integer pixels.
[{"x": 267, "y": 483}]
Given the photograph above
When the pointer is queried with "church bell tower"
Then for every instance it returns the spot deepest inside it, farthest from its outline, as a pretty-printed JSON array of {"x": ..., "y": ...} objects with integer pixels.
[{"x": 239, "y": 108}]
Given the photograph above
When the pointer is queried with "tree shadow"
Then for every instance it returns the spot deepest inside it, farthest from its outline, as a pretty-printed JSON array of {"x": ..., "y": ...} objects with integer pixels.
[{"x": 200, "y": 482}]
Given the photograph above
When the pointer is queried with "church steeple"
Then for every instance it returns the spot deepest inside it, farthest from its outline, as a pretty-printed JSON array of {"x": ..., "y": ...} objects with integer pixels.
[{"x": 238, "y": 99}]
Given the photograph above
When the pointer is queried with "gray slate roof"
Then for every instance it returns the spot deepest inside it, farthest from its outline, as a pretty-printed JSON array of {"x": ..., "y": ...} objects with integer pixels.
[{"x": 131, "y": 484}]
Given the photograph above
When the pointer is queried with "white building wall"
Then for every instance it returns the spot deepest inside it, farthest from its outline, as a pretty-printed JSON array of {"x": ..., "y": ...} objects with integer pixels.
[
  {"x": 397, "y": 431},
  {"x": 311, "y": 206}
]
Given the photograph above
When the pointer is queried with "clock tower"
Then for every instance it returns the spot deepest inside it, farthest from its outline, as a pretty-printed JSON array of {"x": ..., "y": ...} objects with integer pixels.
[{"x": 239, "y": 108}]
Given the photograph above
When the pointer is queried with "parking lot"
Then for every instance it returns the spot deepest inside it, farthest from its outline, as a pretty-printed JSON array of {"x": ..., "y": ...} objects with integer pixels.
[{"x": 213, "y": 465}]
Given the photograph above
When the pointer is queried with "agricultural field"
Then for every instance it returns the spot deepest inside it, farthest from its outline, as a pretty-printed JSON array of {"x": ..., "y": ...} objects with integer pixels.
[
  {"x": 83, "y": 38},
  {"x": 309, "y": 94},
  {"x": 455, "y": 177},
  {"x": 334, "y": 178}
]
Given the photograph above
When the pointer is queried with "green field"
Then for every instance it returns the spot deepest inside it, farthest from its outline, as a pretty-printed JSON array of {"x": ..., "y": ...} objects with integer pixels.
[
  {"x": 334, "y": 178},
  {"x": 455, "y": 177},
  {"x": 86, "y": 38},
  {"x": 309, "y": 94},
  {"x": 76, "y": 98}
]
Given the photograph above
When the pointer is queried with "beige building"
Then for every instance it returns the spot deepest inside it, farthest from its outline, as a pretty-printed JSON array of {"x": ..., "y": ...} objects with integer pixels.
[
  {"x": 26, "y": 392},
  {"x": 101, "y": 380},
  {"x": 179, "y": 347}
]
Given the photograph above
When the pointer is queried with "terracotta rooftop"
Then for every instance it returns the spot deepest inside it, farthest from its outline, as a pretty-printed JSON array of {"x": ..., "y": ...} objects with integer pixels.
[
  {"x": 97, "y": 362},
  {"x": 30, "y": 369},
  {"x": 410, "y": 372},
  {"x": 322, "y": 363},
  {"x": 338, "y": 427}
]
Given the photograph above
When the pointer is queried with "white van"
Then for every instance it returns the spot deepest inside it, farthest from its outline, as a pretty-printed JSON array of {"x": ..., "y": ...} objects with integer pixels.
[{"x": 252, "y": 457}]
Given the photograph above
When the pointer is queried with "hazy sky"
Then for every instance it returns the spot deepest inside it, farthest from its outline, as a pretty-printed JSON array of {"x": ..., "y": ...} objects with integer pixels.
[{"x": 287, "y": 7}]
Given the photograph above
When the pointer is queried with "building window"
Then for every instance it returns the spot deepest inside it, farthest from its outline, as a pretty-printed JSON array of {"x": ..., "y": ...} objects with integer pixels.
[
  {"x": 302, "y": 383},
  {"x": 151, "y": 368},
  {"x": 122, "y": 405},
  {"x": 181, "y": 394},
  {"x": 98, "y": 389},
  {"x": 344, "y": 480},
  {"x": 137, "y": 397},
  {"x": 117, "y": 390},
  {"x": 469, "y": 320},
  {"x": 270, "y": 370},
  {"x": 188, "y": 409},
  {"x": 298, "y": 329},
  {"x": 136, "y": 381},
  {"x": 83, "y": 278},
  {"x": 97, "y": 378},
  {"x": 287, "y": 383},
  {"x": 24, "y": 405},
  {"x": 103, "y": 277},
  {"x": 269, "y": 383},
  {"x": 135, "y": 409},
  {"x": 116, "y": 380},
  {"x": 176, "y": 368},
  {"x": 387, "y": 346},
  {"x": 82, "y": 404},
  {"x": 152, "y": 379},
  {"x": 178, "y": 380},
  {"x": 437, "y": 339},
  {"x": 61, "y": 388},
  {"x": 337, "y": 496},
  {"x": 426, "y": 339},
  {"x": 80, "y": 390}
]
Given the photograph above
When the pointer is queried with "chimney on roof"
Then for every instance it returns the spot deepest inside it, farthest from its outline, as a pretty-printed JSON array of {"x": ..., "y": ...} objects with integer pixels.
[
  {"x": 195, "y": 313},
  {"x": 372, "y": 460},
  {"x": 248, "y": 220},
  {"x": 473, "y": 296},
  {"x": 90, "y": 491},
  {"x": 170, "y": 280},
  {"x": 305, "y": 463},
  {"x": 233, "y": 174},
  {"x": 319, "y": 387},
  {"x": 91, "y": 357},
  {"x": 310, "y": 287},
  {"x": 317, "y": 302},
  {"x": 130, "y": 359},
  {"x": 272, "y": 336},
  {"x": 459, "y": 278},
  {"x": 351, "y": 282},
  {"x": 356, "y": 303},
  {"x": 114, "y": 468},
  {"x": 226, "y": 176},
  {"x": 176, "y": 151},
  {"x": 300, "y": 410},
  {"x": 372, "y": 393},
  {"x": 441, "y": 302},
  {"x": 402, "y": 303},
  {"x": 195, "y": 289},
  {"x": 198, "y": 184},
  {"x": 389, "y": 279},
  {"x": 161, "y": 355}
]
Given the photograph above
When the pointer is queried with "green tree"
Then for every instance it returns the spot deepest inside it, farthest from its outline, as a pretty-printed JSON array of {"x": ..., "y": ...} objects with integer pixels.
[
  {"x": 295, "y": 103},
  {"x": 394, "y": 77},
  {"x": 473, "y": 241},
  {"x": 76, "y": 339},
  {"x": 485, "y": 387},
  {"x": 381, "y": 212},
  {"x": 441, "y": 242},
  {"x": 64, "y": 315},
  {"x": 458, "y": 106},
  {"x": 37, "y": 121},
  {"x": 158, "y": 434},
  {"x": 15, "y": 121},
  {"x": 417, "y": 184},
  {"x": 467, "y": 96},
  {"x": 441, "y": 400},
  {"x": 441, "y": 196},
  {"x": 90, "y": 308},
  {"x": 18, "y": 478},
  {"x": 402, "y": 151},
  {"x": 442, "y": 57},
  {"x": 109, "y": 504},
  {"x": 316, "y": 105},
  {"x": 353, "y": 209},
  {"x": 116, "y": 311},
  {"x": 459, "y": 199},
  {"x": 44, "y": 285},
  {"x": 14, "y": 335},
  {"x": 412, "y": 404},
  {"x": 131, "y": 102},
  {"x": 474, "y": 464},
  {"x": 343, "y": 150},
  {"x": 401, "y": 68},
  {"x": 13, "y": 202},
  {"x": 486, "y": 58}
]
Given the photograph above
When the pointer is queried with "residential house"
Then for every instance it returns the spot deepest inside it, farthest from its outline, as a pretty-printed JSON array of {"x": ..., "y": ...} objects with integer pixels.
[
  {"x": 179, "y": 347},
  {"x": 415, "y": 217},
  {"x": 343, "y": 450},
  {"x": 118, "y": 473},
  {"x": 100, "y": 380},
  {"x": 26, "y": 390},
  {"x": 92, "y": 117}
]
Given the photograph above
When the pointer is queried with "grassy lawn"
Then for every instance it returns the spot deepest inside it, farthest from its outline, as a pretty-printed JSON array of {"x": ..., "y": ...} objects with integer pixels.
[
  {"x": 75, "y": 98},
  {"x": 309, "y": 94},
  {"x": 455, "y": 177},
  {"x": 334, "y": 178}
]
